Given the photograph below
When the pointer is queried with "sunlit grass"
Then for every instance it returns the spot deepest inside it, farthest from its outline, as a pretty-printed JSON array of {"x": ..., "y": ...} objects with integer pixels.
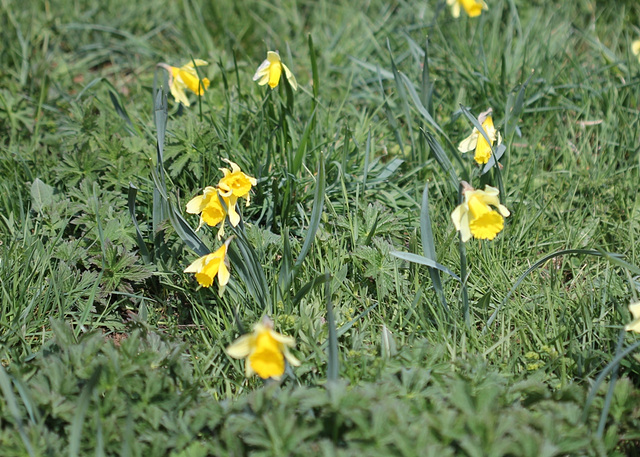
[{"x": 96, "y": 330}]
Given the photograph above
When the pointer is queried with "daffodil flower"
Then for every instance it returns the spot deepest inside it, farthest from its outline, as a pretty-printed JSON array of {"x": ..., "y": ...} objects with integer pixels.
[
  {"x": 265, "y": 351},
  {"x": 634, "y": 325},
  {"x": 472, "y": 7},
  {"x": 635, "y": 49},
  {"x": 211, "y": 210},
  {"x": 206, "y": 268},
  {"x": 235, "y": 182},
  {"x": 477, "y": 142},
  {"x": 476, "y": 217},
  {"x": 186, "y": 77},
  {"x": 233, "y": 185},
  {"x": 270, "y": 71}
]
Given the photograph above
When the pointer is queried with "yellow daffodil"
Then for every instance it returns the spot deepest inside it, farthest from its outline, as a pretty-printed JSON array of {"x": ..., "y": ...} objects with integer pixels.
[
  {"x": 476, "y": 217},
  {"x": 186, "y": 77},
  {"x": 265, "y": 351},
  {"x": 270, "y": 71},
  {"x": 634, "y": 325},
  {"x": 635, "y": 49},
  {"x": 477, "y": 141},
  {"x": 235, "y": 182},
  {"x": 210, "y": 266},
  {"x": 472, "y": 7},
  {"x": 210, "y": 208},
  {"x": 233, "y": 185}
]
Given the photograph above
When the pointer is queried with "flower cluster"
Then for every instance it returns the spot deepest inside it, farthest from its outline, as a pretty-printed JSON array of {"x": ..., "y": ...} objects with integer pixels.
[
  {"x": 213, "y": 206},
  {"x": 216, "y": 203},
  {"x": 186, "y": 77},
  {"x": 475, "y": 216}
]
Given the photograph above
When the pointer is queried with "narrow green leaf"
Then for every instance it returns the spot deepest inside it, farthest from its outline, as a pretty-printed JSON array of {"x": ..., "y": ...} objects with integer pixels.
[
  {"x": 316, "y": 213},
  {"x": 418, "y": 104},
  {"x": 428, "y": 246},
  {"x": 442, "y": 158},
  {"x": 400, "y": 86},
  {"x": 304, "y": 290},
  {"x": 179, "y": 224},
  {"x": 415, "y": 258},
  {"x": 333, "y": 366},
  {"x": 314, "y": 72},
  {"x": 514, "y": 110},
  {"x": 303, "y": 146},
  {"x": 131, "y": 203}
]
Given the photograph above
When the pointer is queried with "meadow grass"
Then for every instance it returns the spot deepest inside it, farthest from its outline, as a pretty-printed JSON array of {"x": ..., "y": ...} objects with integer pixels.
[{"x": 409, "y": 344}]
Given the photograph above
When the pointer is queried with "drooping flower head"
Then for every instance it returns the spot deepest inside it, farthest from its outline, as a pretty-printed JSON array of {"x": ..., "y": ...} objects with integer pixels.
[
  {"x": 477, "y": 142},
  {"x": 634, "y": 325},
  {"x": 265, "y": 351},
  {"x": 635, "y": 49},
  {"x": 186, "y": 77},
  {"x": 206, "y": 268},
  {"x": 476, "y": 216},
  {"x": 472, "y": 7},
  {"x": 211, "y": 210},
  {"x": 270, "y": 71}
]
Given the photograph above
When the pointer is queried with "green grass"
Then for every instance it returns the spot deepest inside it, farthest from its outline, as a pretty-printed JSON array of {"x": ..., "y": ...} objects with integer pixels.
[{"x": 108, "y": 348}]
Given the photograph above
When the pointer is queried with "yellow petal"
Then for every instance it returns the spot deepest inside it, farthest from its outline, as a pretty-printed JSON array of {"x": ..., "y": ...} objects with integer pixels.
[
  {"x": 195, "y": 205},
  {"x": 241, "y": 347},
  {"x": 473, "y": 7},
  {"x": 469, "y": 143},
  {"x": 290, "y": 77},
  {"x": 177, "y": 90},
  {"x": 275, "y": 70},
  {"x": 196, "y": 266}
]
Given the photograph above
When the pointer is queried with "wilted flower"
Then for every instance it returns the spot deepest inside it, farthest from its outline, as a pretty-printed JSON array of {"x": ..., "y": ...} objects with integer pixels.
[
  {"x": 210, "y": 208},
  {"x": 186, "y": 77},
  {"x": 265, "y": 351},
  {"x": 477, "y": 141},
  {"x": 472, "y": 7},
  {"x": 634, "y": 325},
  {"x": 210, "y": 266},
  {"x": 271, "y": 69},
  {"x": 476, "y": 217},
  {"x": 635, "y": 49}
]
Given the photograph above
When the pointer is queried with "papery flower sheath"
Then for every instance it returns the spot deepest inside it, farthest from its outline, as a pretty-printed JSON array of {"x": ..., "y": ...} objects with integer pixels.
[
  {"x": 186, "y": 77},
  {"x": 264, "y": 351},
  {"x": 270, "y": 70},
  {"x": 477, "y": 142},
  {"x": 634, "y": 325},
  {"x": 207, "y": 267},
  {"x": 476, "y": 216},
  {"x": 472, "y": 7}
]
